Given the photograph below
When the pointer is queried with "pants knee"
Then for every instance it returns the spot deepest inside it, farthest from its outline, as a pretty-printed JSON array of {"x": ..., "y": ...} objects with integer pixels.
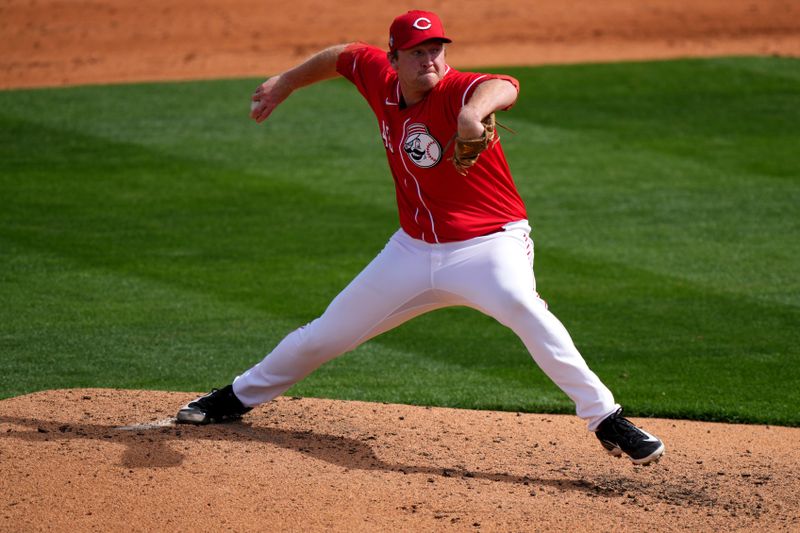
[
  {"x": 315, "y": 344},
  {"x": 514, "y": 308}
]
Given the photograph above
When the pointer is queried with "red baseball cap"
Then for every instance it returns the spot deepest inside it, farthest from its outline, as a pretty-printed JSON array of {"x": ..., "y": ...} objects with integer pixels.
[{"x": 413, "y": 28}]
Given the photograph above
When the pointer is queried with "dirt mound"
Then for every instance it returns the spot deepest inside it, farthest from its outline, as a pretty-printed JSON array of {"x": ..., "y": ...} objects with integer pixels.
[
  {"x": 111, "y": 460},
  {"x": 52, "y": 42}
]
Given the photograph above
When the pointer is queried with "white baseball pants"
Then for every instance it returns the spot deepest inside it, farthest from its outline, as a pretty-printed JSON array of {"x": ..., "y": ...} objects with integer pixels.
[{"x": 409, "y": 277}]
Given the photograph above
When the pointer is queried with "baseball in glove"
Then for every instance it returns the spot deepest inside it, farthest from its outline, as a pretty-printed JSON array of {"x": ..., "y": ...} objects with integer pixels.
[{"x": 467, "y": 151}]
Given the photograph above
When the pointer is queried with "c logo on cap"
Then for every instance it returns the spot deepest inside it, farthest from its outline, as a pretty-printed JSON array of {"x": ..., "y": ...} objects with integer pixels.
[{"x": 422, "y": 23}]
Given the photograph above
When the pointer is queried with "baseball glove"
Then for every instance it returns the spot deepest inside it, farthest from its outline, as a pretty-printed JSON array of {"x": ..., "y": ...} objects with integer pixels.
[{"x": 466, "y": 151}]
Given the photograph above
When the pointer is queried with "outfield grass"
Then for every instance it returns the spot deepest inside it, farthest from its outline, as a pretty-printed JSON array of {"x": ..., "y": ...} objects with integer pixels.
[{"x": 151, "y": 236}]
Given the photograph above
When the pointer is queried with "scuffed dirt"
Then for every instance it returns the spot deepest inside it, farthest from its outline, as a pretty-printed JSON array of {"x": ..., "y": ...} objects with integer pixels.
[
  {"x": 64, "y": 42},
  {"x": 111, "y": 460}
]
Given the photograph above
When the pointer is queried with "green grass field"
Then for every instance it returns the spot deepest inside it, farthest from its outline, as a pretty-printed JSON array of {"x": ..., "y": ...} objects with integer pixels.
[{"x": 152, "y": 236}]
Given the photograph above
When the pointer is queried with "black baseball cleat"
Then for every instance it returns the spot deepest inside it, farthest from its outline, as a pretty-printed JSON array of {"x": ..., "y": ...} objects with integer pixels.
[
  {"x": 219, "y": 405},
  {"x": 618, "y": 435}
]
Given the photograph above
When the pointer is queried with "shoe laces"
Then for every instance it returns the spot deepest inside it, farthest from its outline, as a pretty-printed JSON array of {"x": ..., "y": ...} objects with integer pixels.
[
  {"x": 206, "y": 400},
  {"x": 625, "y": 429}
]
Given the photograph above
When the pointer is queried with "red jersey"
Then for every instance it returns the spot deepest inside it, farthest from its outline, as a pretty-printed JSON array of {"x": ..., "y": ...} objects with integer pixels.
[{"x": 435, "y": 202}]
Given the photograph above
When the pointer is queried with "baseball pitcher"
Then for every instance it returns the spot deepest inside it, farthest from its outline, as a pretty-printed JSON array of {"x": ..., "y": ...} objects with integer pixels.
[{"x": 464, "y": 237}]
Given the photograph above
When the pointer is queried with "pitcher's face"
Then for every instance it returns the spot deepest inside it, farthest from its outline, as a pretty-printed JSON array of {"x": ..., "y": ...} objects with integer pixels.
[{"x": 420, "y": 68}]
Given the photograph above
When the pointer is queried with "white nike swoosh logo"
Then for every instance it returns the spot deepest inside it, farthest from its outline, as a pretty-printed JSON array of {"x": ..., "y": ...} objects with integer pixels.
[{"x": 649, "y": 438}]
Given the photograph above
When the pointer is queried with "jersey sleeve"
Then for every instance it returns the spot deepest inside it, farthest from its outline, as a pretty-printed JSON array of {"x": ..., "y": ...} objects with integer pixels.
[
  {"x": 465, "y": 83},
  {"x": 364, "y": 65}
]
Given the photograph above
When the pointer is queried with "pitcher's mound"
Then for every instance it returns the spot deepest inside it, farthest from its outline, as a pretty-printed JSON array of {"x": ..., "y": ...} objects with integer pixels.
[{"x": 113, "y": 460}]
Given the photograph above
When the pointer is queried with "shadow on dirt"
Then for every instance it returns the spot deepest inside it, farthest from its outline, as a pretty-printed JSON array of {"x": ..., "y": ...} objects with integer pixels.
[{"x": 151, "y": 446}]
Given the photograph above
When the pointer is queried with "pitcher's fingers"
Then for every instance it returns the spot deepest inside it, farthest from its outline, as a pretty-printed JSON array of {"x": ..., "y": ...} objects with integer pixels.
[{"x": 262, "y": 113}]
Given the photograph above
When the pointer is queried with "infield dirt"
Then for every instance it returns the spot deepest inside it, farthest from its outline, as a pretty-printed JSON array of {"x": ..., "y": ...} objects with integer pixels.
[
  {"x": 110, "y": 460},
  {"x": 57, "y": 42}
]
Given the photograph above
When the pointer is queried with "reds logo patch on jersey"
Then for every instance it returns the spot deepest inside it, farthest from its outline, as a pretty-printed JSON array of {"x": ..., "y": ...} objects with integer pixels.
[{"x": 421, "y": 147}]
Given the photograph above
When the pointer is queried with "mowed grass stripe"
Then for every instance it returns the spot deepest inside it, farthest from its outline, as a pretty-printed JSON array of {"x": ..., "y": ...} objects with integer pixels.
[
  {"x": 189, "y": 223},
  {"x": 687, "y": 169},
  {"x": 665, "y": 239}
]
